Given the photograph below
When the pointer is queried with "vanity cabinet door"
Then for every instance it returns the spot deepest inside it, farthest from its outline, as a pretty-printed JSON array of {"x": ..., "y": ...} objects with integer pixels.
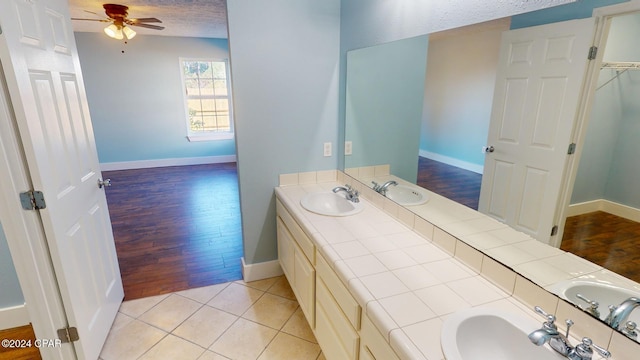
[
  {"x": 285, "y": 250},
  {"x": 338, "y": 339},
  {"x": 304, "y": 284},
  {"x": 296, "y": 266},
  {"x": 373, "y": 346},
  {"x": 340, "y": 293}
]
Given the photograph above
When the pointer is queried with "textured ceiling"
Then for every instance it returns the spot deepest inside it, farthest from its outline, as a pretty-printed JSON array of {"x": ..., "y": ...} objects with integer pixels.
[{"x": 190, "y": 18}]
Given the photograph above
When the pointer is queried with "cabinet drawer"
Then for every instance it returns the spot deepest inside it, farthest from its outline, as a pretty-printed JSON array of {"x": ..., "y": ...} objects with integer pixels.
[
  {"x": 338, "y": 339},
  {"x": 285, "y": 249},
  {"x": 346, "y": 302},
  {"x": 298, "y": 234},
  {"x": 305, "y": 285},
  {"x": 373, "y": 344}
]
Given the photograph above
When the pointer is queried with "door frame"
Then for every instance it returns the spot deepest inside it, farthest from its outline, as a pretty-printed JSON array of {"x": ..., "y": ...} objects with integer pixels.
[
  {"x": 603, "y": 17},
  {"x": 25, "y": 236}
]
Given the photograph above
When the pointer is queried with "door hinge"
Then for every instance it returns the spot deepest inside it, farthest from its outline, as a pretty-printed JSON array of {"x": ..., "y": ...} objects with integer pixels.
[
  {"x": 572, "y": 149},
  {"x": 32, "y": 200},
  {"x": 554, "y": 230},
  {"x": 593, "y": 51},
  {"x": 68, "y": 334}
]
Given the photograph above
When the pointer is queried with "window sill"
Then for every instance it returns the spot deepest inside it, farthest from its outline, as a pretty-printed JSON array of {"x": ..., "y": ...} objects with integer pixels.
[{"x": 210, "y": 137}]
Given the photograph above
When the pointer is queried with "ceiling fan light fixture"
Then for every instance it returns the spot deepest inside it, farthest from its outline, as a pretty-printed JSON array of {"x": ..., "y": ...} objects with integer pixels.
[
  {"x": 114, "y": 31},
  {"x": 128, "y": 32}
]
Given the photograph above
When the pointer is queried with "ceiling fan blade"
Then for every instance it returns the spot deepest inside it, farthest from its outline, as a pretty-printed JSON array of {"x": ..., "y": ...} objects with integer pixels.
[
  {"x": 148, "y": 26},
  {"x": 145, "y": 20},
  {"x": 100, "y": 20}
]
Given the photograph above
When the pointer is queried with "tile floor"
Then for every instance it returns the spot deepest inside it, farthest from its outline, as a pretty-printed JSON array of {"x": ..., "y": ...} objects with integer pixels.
[{"x": 234, "y": 320}]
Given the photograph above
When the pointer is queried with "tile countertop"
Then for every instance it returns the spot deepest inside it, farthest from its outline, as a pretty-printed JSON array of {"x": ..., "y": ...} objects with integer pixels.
[{"x": 406, "y": 284}]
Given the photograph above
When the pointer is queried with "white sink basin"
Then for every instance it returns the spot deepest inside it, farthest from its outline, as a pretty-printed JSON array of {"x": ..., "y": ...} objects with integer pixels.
[
  {"x": 603, "y": 292},
  {"x": 330, "y": 204},
  {"x": 486, "y": 333},
  {"x": 407, "y": 195}
]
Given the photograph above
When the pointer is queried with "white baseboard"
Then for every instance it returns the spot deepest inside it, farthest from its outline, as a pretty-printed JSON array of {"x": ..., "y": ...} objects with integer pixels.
[
  {"x": 585, "y": 207},
  {"x": 607, "y": 206},
  {"x": 259, "y": 271},
  {"x": 144, "y": 164},
  {"x": 452, "y": 161},
  {"x": 14, "y": 316}
]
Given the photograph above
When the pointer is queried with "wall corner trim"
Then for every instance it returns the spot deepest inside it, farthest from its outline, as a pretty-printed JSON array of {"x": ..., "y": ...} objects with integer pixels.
[{"x": 259, "y": 271}]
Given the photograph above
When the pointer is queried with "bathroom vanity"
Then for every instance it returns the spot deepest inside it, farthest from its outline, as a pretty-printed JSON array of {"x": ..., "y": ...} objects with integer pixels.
[{"x": 379, "y": 284}]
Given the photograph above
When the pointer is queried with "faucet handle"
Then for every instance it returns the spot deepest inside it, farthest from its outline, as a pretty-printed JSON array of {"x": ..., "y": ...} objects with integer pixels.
[
  {"x": 612, "y": 309},
  {"x": 551, "y": 319},
  {"x": 585, "y": 349},
  {"x": 630, "y": 330},
  {"x": 593, "y": 305}
]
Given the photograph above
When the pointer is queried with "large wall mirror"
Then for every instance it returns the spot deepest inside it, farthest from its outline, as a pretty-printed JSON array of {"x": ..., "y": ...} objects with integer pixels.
[{"x": 423, "y": 107}]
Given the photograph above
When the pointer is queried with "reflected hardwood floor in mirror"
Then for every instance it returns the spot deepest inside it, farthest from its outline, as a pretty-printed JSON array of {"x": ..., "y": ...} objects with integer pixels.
[
  {"x": 605, "y": 239},
  {"x": 459, "y": 185},
  {"x": 176, "y": 227}
]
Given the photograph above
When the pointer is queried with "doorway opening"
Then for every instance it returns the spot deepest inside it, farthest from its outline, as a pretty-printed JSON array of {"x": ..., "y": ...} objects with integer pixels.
[
  {"x": 176, "y": 227},
  {"x": 604, "y": 210}
]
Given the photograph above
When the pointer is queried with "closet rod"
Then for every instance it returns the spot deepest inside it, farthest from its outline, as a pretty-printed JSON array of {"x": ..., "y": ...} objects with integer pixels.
[{"x": 621, "y": 65}]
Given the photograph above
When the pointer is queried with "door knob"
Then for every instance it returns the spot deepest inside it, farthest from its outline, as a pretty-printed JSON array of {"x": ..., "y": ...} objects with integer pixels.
[
  {"x": 488, "y": 149},
  {"x": 104, "y": 183}
]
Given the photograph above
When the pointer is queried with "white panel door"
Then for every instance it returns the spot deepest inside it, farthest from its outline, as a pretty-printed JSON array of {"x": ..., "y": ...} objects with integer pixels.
[
  {"x": 538, "y": 87},
  {"x": 38, "y": 54}
]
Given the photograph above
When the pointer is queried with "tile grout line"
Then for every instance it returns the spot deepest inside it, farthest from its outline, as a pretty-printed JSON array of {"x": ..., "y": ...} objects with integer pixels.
[{"x": 206, "y": 303}]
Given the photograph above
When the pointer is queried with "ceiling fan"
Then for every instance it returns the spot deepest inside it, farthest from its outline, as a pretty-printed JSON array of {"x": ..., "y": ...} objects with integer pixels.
[{"x": 117, "y": 16}]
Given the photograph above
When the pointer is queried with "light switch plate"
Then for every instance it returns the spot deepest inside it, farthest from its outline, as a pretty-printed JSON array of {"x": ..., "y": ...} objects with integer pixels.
[
  {"x": 348, "y": 148},
  {"x": 327, "y": 149}
]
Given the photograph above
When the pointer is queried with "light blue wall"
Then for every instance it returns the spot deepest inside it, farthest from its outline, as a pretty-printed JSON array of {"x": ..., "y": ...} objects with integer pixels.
[
  {"x": 10, "y": 291},
  {"x": 577, "y": 10},
  {"x": 288, "y": 62},
  {"x": 284, "y": 56},
  {"x": 608, "y": 167},
  {"x": 625, "y": 168},
  {"x": 385, "y": 92},
  {"x": 599, "y": 146},
  {"x": 136, "y": 97}
]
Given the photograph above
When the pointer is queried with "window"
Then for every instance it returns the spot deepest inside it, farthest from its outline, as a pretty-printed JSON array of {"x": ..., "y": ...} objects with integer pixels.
[{"x": 207, "y": 99}]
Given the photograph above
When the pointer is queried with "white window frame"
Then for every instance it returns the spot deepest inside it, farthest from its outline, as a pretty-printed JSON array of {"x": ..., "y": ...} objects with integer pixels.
[{"x": 207, "y": 135}]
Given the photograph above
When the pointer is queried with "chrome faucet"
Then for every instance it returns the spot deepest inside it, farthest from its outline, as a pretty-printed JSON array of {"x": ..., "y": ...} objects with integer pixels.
[
  {"x": 382, "y": 189},
  {"x": 593, "y": 305},
  {"x": 549, "y": 334},
  {"x": 619, "y": 315},
  {"x": 560, "y": 342},
  {"x": 352, "y": 194}
]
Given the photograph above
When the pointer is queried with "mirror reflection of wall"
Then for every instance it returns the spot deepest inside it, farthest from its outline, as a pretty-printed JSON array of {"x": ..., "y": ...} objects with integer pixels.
[
  {"x": 609, "y": 173},
  {"x": 461, "y": 73},
  {"x": 449, "y": 120},
  {"x": 385, "y": 86}
]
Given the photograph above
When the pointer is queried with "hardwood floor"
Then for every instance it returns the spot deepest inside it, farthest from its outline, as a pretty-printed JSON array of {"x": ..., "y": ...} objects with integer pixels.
[
  {"x": 605, "y": 239},
  {"x": 24, "y": 334},
  {"x": 457, "y": 184},
  {"x": 175, "y": 227}
]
